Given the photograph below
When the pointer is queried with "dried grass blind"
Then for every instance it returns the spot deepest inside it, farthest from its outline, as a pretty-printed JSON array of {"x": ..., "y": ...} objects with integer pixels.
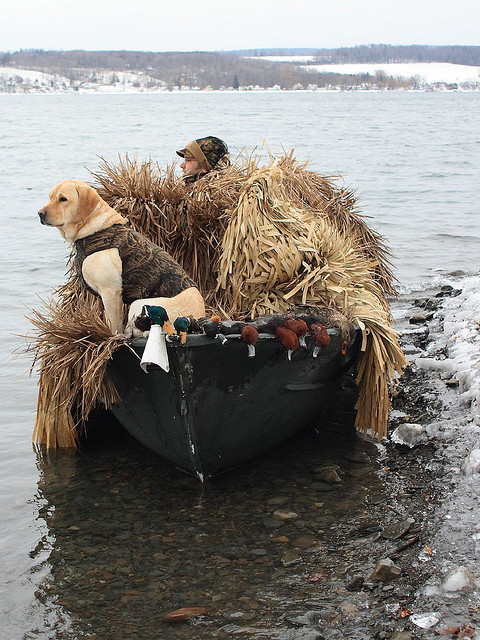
[{"x": 257, "y": 240}]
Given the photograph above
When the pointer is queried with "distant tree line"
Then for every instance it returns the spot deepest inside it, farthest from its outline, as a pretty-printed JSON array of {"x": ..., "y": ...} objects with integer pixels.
[
  {"x": 233, "y": 69},
  {"x": 384, "y": 53},
  {"x": 193, "y": 69}
]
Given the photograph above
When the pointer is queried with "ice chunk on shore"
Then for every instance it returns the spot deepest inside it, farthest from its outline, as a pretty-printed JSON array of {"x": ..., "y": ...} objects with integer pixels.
[
  {"x": 425, "y": 620},
  {"x": 460, "y": 579},
  {"x": 432, "y": 364},
  {"x": 471, "y": 464},
  {"x": 409, "y": 434}
]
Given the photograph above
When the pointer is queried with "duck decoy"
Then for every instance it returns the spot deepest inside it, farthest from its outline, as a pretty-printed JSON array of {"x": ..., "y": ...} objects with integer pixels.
[
  {"x": 155, "y": 351},
  {"x": 288, "y": 338},
  {"x": 275, "y": 326},
  {"x": 181, "y": 325},
  {"x": 299, "y": 327},
  {"x": 249, "y": 335},
  {"x": 211, "y": 328},
  {"x": 320, "y": 337},
  {"x": 157, "y": 315}
]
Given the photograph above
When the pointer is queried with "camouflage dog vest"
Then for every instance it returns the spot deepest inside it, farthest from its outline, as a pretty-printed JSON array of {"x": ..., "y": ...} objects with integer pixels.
[{"x": 147, "y": 270}]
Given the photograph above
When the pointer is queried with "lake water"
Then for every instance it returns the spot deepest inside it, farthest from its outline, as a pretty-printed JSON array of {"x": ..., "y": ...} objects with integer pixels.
[{"x": 414, "y": 160}]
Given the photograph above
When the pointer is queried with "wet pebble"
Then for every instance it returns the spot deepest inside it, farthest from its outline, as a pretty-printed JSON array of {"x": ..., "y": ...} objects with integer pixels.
[
  {"x": 396, "y": 530},
  {"x": 385, "y": 571},
  {"x": 322, "y": 486},
  {"x": 378, "y": 498},
  {"x": 359, "y": 473},
  {"x": 272, "y": 523},
  {"x": 467, "y": 631},
  {"x": 355, "y": 583},
  {"x": 280, "y": 514},
  {"x": 185, "y": 613},
  {"x": 303, "y": 634},
  {"x": 232, "y": 553},
  {"x": 452, "y": 383},
  {"x": 305, "y": 541},
  {"x": 358, "y": 456},
  {"x": 448, "y": 291},
  {"x": 420, "y": 318},
  {"x": 278, "y": 500},
  {"x": 348, "y": 610},
  {"x": 448, "y": 631},
  {"x": 430, "y": 304},
  {"x": 108, "y": 575},
  {"x": 290, "y": 557},
  {"x": 330, "y": 475},
  {"x": 280, "y": 539},
  {"x": 249, "y": 603}
]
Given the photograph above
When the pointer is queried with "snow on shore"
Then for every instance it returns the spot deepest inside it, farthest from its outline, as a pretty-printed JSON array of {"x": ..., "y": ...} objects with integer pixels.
[
  {"x": 29, "y": 75},
  {"x": 461, "y": 343},
  {"x": 104, "y": 81},
  {"x": 13, "y": 80},
  {"x": 449, "y": 376},
  {"x": 430, "y": 71},
  {"x": 457, "y": 541}
]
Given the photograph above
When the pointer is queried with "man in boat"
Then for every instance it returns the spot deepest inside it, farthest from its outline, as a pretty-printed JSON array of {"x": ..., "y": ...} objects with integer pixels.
[
  {"x": 202, "y": 156},
  {"x": 200, "y": 216}
]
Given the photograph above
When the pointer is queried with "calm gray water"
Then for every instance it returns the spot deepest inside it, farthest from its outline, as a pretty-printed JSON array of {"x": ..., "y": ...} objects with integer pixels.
[{"x": 414, "y": 159}]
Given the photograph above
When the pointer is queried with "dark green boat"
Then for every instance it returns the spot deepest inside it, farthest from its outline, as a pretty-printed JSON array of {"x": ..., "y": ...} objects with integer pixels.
[{"x": 217, "y": 407}]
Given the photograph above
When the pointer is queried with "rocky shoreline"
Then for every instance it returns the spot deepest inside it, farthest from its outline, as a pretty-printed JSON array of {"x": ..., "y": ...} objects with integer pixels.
[{"x": 422, "y": 585}]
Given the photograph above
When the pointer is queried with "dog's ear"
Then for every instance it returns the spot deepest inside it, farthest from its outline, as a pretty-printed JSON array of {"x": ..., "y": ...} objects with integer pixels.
[{"x": 88, "y": 199}]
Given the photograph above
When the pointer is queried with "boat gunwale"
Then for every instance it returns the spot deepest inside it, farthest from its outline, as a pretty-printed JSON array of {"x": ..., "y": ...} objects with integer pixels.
[{"x": 200, "y": 339}]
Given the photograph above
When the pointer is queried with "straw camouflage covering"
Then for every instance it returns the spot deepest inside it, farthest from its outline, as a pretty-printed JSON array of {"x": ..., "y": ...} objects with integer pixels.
[{"x": 257, "y": 240}]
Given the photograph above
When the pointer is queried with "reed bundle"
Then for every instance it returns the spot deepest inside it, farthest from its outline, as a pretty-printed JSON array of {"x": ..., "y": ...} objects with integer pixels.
[
  {"x": 307, "y": 189},
  {"x": 276, "y": 255},
  {"x": 73, "y": 345},
  {"x": 256, "y": 240}
]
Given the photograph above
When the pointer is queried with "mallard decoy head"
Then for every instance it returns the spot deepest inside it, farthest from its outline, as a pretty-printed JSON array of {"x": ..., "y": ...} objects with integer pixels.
[{"x": 159, "y": 316}]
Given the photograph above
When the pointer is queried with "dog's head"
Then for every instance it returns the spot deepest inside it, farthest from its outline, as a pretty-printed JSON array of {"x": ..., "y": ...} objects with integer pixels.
[{"x": 71, "y": 204}]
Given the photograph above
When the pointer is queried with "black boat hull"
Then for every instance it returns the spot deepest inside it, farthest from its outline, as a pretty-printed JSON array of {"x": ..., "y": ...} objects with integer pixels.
[{"x": 216, "y": 407}]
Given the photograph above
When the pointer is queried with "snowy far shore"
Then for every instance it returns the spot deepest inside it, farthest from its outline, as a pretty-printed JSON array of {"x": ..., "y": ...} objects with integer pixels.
[
  {"x": 429, "y": 71},
  {"x": 428, "y": 76}
]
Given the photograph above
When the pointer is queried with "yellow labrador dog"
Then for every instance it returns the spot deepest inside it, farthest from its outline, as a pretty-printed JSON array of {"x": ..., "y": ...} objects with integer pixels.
[{"x": 113, "y": 261}]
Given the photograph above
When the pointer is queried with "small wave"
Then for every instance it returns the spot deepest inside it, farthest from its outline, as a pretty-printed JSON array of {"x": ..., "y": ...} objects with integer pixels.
[
  {"x": 438, "y": 280},
  {"x": 468, "y": 238},
  {"x": 434, "y": 175}
]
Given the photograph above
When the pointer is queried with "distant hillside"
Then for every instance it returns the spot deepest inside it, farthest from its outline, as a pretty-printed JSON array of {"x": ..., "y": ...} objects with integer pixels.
[
  {"x": 384, "y": 53},
  {"x": 238, "y": 69},
  {"x": 192, "y": 69}
]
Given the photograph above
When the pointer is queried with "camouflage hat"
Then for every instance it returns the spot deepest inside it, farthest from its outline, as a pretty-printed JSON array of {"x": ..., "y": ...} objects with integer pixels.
[{"x": 206, "y": 151}]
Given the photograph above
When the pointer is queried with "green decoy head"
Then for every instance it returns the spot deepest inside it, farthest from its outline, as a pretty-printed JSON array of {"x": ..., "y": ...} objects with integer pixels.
[
  {"x": 159, "y": 316},
  {"x": 181, "y": 325}
]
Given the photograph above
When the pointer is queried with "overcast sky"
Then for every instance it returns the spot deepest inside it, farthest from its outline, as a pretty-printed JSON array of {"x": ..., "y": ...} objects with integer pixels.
[{"x": 193, "y": 25}]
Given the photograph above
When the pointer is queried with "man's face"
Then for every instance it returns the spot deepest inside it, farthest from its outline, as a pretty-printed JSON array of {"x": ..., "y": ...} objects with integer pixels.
[{"x": 190, "y": 167}]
